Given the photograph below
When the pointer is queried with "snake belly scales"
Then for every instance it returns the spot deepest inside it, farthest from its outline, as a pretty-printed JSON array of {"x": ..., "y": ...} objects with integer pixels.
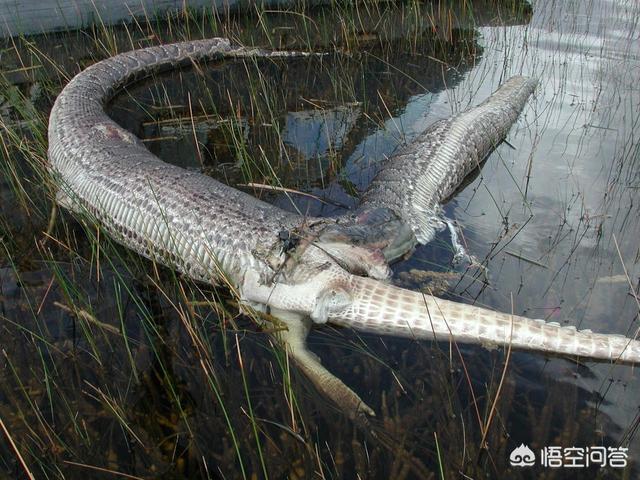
[{"x": 214, "y": 233}]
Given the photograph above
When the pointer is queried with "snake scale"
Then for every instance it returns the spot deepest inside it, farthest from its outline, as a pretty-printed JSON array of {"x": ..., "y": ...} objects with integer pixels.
[{"x": 214, "y": 233}]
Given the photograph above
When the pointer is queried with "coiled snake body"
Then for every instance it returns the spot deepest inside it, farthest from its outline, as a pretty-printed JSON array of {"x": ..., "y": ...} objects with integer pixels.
[{"x": 212, "y": 232}]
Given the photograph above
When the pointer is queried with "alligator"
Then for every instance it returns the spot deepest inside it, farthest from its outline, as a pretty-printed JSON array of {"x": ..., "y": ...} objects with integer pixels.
[{"x": 337, "y": 269}]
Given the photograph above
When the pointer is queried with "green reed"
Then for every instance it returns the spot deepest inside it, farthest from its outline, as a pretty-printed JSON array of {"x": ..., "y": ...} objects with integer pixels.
[{"x": 115, "y": 362}]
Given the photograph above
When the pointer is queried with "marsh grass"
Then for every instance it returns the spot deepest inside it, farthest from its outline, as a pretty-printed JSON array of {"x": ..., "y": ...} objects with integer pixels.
[{"x": 114, "y": 366}]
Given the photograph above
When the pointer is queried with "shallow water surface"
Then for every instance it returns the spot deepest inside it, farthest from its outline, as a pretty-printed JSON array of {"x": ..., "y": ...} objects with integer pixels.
[{"x": 111, "y": 363}]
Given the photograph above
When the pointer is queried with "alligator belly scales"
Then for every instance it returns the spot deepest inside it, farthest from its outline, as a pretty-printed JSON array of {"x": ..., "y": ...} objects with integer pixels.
[{"x": 212, "y": 232}]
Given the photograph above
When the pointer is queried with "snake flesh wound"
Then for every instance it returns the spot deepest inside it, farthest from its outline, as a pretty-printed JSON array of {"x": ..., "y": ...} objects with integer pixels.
[{"x": 214, "y": 233}]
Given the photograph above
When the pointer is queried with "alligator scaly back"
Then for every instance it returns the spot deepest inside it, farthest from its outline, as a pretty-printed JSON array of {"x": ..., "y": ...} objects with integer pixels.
[
  {"x": 388, "y": 310},
  {"x": 211, "y": 231}
]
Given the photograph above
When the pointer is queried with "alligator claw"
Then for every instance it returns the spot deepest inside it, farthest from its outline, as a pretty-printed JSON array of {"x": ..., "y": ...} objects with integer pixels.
[{"x": 294, "y": 340}]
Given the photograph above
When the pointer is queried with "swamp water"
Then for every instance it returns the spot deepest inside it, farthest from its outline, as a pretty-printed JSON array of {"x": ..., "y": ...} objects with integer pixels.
[{"x": 110, "y": 363}]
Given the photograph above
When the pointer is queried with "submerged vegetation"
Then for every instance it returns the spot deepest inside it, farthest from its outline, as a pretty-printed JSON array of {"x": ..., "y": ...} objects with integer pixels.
[{"x": 114, "y": 367}]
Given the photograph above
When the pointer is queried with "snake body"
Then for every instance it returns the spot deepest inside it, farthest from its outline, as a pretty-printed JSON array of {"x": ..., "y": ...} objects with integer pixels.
[
  {"x": 214, "y": 233},
  {"x": 400, "y": 206},
  {"x": 182, "y": 219}
]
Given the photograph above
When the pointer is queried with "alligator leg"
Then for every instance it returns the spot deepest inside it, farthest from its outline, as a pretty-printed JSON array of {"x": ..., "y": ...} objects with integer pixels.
[{"x": 294, "y": 341}]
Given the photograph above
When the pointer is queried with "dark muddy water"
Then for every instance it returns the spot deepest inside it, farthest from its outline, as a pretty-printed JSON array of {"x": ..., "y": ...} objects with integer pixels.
[{"x": 552, "y": 218}]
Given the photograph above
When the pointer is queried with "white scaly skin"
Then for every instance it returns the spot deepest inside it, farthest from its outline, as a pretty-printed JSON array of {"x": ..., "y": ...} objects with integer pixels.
[
  {"x": 213, "y": 232},
  {"x": 319, "y": 289}
]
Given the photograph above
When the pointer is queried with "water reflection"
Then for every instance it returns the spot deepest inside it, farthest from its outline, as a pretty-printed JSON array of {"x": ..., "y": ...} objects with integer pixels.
[{"x": 547, "y": 216}]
